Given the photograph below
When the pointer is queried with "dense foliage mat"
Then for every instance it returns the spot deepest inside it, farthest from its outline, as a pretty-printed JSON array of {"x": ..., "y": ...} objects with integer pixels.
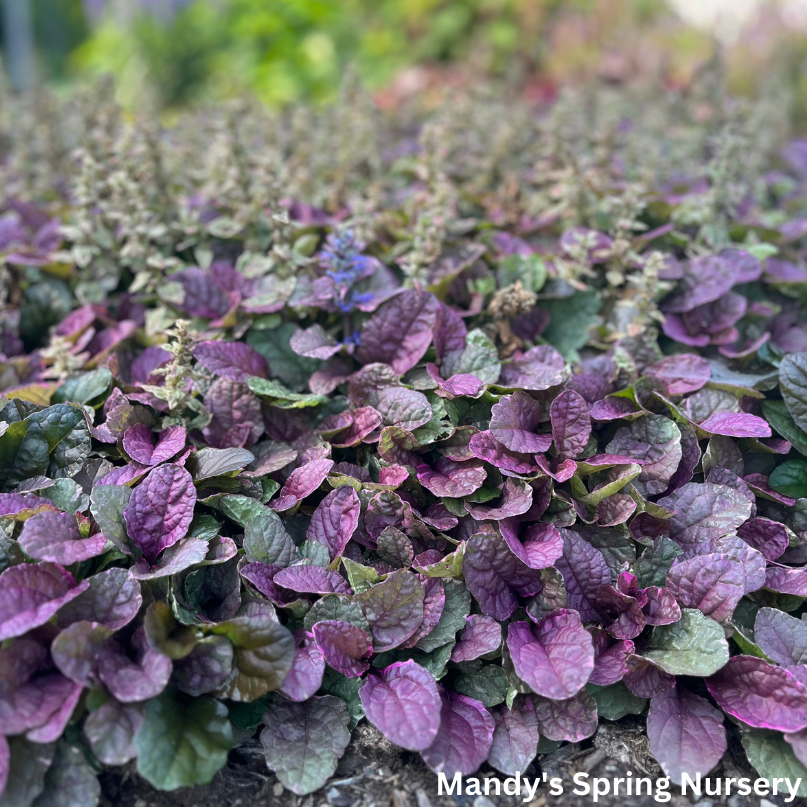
[{"x": 482, "y": 430}]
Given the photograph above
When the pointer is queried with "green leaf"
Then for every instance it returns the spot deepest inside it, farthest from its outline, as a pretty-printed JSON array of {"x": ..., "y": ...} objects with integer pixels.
[
  {"x": 793, "y": 383},
  {"x": 266, "y": 539},
  {"x": 457, "y": 607},
  {"x": 293, "y": 370},
  {"x": 241, "y": 509},
  {"x": 67, "y": 495},
  {"x": 487, "y": 684},
  {"x": 207, "y": 463},
  {"x": 616, "y": 701},
  {"x": 107, "y": 505},
  {"x": 782, "y": 421},
  {"x": 303, "y": 742},
  {"x": 480, "y": 358},
  {"x": 342, "y": 609},
  {"x": 70, "y": 781},
  {"x": 695, "y": 645},
  {"x": 26, "y": 777},
  {"x": 448, "y": 566},
  {"x": 264, "y": 653},
  {"x": 347, "y": 689},
  {"x": 529, "y": 269},
  {"x": 360, "y": 577},
  {"x": 773, "y": 757},
  {"x": 65, "y": 429},
  {"x": 571, "y": 318},
  {"x": 790, "y": 478},
  {"x": 84, "y": 388},
  {"x": 24, "y": 453},
  {"x": 282, "y": 397},
  {"x": 654, "y": 563},
  {"x": 183, "y": 741}
]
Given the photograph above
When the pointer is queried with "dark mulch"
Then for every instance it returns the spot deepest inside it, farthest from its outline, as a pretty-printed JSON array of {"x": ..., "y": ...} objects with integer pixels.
[{"x": 373, "y": 773}]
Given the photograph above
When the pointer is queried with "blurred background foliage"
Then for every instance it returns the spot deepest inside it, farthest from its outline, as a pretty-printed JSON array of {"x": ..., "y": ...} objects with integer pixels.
[{"x": 171, "y": 53}]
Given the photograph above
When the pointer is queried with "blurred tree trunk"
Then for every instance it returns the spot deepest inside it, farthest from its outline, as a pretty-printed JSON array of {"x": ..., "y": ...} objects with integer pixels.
[{"x": 19, "y": 43}]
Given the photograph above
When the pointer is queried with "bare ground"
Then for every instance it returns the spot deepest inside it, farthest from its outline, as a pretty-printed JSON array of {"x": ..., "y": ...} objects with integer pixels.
[{"x": 375, "y": 774}]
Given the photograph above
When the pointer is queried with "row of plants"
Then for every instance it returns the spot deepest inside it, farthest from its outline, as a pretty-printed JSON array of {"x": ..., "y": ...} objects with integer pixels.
[{"x": 483, "y": 429}]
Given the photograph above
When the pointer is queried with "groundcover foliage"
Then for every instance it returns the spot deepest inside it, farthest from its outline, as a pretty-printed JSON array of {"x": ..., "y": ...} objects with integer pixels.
[{"x": 482, "y": 429}]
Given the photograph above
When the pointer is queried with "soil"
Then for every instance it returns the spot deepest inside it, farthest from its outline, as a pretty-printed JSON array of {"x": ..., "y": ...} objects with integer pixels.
[{"x": 373, "y": 773}]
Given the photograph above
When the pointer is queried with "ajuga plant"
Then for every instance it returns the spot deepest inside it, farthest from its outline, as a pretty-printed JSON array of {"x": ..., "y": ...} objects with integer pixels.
[{"x": 483, "y": 427}]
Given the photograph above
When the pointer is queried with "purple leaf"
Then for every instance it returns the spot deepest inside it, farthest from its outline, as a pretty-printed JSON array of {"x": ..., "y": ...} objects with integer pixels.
[
  {"x": 572, "y": 719},
  {"x": 783, "y": 638},
  {"x": 466, "y": 734},
  {"x": 345, "y": 647},
  {"x": 302, "y": 482},
  {"x": 481, "y": 635},
  {"x": 236, "y": 414},
  {"x": 365, "y": 420},
  {"x": 681, "y": 373},
  {"x": 236, "y": 360},
  {"x": 610, "y": 659},
  {"x": 305, "y": 676},
  {"x": 513, "y": 423},
  {"x": 515, "y": 737},
  {"x": 138, "y": 679},
  {"x": 203, "y": 297},
  {"x": 686, "y": 733},
  {"x": 516, "y": 499},
  {"x": 489, "y": 567},
  {"x": 485, "y": 447},
  {"x": 571, "y": 424},
  {"x": 452, "y": 479},
  {"x": 735, "y": 424},
  {"x": 335, "y": 520},
  {"x": 712, "y": 583},
  {"x": 113, "y": 599},
  {"x": 769, "y": 537},
  {"x": 394, "y": 609},
  {"x": 760, "y": 695},
  {"x": 138, "y": 443},
  {"x": 555, "y": 657},
  {"x": 644, "y": 679},
  {"x": 403, "y": 703},
  {"x": 584, "y": 571},
  {"x": 182, "y": 555},
  {"x": 22, "y": 506},
  {"x": 31, "y": 594},
  {"x": 55, "y": 537},
  {"x": 206, "y": 667},
  {"x": 434, "y": 601},
  {"x": 160, "y": 510},
  {"x": 406, "y": 408},
  {"x": 111, "y": 729},
  {"x": 400, "y": 332},
  {"x": 312, "y": 580},
  {"x": 314, "y": 343},
  {"x": 538, "y": 369},
  {"x": 706, "y": 278},
  {"x": 541, "y": 547}
]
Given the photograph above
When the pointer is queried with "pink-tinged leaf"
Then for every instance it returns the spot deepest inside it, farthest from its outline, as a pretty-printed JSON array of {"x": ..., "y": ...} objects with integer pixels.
[
  {"x": 55, "y": 537},
  {"x": 541, "y": 547},
  {"x": 314, "y": 343},
  {"x": 489, "y": 568},
  {"x": 335, "y": 520},
  {"x": 538, "y": 369},
  {"x": 151, "y": 359},
  {"x": 236, "y": 360},
  {"x": 612, "y": 408},
  {"x": 610, "y": 658},
  {"x": 712, "y": 583},
  {"x": 515, "y": 737},
  {"x": 305, "y": 676},
  {"x": 134, "y": 680},
  {"x": 186, "y": 552},
  {"x": 400, "y": 332},
  {"x": 456, "y": 385},
  {"x": 434, "y": 601},
  {"x": 760, "y": 695},
  {"x": 759, "y": 485},
  {"x": 393, "y": 475},
  {"x": 31, "y": 594},
  {"x": 769, "y": 537},
  {"x": 783, "y": 638},
  {"x": 681, "y": 373},
  {"x": 686, "y": 733},
  {"x": 571, "y": 720},
  {"x": 302, "y": 482},
  {"x": 706, "y": 278},
  {"x": 615, "y": 510},
  {"x": 312, "y": 580},
  {"x": 113, "y": 599},
  {"x": 262, "y": 576},
  {"x": 21, "y": 506},
  {"x": 514, "y": 421},
  {"x": 516, "y": 499},
  {"x": 160, "y": 510},
  {"x": 406, "y": 408},
  {"x": 365, "y": 420},
  {"x": 555, "y": 658},
  {"x": 481, "y": 635},
  {"x": 394, "y": 609},
  {"x": 138, "y": 443},
  {"x": 571, "y": 424},
  {"x": 345, "y": 647},
  {"x": 584, "y": 571},
  {"x": 452, "y": 479},
  {"x": 485, "y": 446},
  {"x": 403, "y": 703},
  {"x": 735, "y": 424},
  {"x": 786, "y": 580},
  {"x": 466, "y": 734}
]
